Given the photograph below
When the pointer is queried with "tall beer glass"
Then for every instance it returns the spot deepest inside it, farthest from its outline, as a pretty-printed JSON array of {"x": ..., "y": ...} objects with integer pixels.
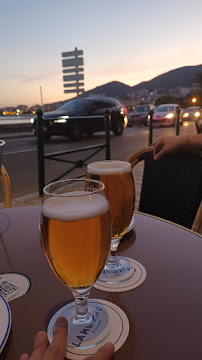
[
  {"x": 76, "y": 237},
  {"x": 119, "y": 186}
]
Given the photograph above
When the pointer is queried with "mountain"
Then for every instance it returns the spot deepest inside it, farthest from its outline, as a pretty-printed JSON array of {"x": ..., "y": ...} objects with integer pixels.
[
  {"x": 184, "y": 76},
  {"x": 113, "y": 88}
]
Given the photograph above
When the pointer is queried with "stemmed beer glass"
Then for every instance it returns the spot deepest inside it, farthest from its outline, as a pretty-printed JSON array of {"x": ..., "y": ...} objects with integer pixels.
[
  {"x": 76, "y": 237},
  {"x": 120, "y": 189}
]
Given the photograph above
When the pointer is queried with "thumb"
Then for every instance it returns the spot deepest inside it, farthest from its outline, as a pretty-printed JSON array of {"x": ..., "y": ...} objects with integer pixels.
[{"x": 56, "y": 350}]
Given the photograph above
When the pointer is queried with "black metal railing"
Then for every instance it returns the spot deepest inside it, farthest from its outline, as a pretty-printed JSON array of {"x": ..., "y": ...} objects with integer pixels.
[{"x": 57, "y": 156}]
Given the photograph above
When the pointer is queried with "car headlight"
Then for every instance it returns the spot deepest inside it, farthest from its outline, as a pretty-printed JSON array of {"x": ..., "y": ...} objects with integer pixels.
[
  {"x": 60, "y": 121},
  {"x": 169, "y": 116},
  {"x": 186, "y": 115},
  {"x": 197, "y": 114},
  {"x": 125, "y": 121},
  {"x": 32, "y": 121}
]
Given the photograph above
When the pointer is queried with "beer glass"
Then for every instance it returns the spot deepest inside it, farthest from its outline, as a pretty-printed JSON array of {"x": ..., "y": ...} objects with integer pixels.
[
  {"x": 119, "y": 186},
  {"x": 76, "y": 237}
]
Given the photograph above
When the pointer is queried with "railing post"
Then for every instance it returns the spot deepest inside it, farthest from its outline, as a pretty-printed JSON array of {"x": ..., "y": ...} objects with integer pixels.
[
  {"x": 178, "y": 122},
  {"x": 107, "y": 133},
  {"x": 151, "y": 127},
  {"x": 40, "y": 148}
]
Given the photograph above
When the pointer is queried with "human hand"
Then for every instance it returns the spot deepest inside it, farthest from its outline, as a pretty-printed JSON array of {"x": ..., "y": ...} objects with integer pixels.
[
  {"x": 166, "y": 145},
  {"x": 56, "y": 350}
]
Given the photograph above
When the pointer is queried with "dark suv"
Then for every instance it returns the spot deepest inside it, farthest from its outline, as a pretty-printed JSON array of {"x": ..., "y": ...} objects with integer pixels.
[{"x": 84, "y": 115}]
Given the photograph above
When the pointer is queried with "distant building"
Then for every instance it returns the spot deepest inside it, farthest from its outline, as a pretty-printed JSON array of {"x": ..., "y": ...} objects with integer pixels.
[{"x": 23, "y": 108}]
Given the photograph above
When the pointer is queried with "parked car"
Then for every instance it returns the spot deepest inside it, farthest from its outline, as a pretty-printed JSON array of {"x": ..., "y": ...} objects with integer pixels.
[
  {"x": 84, "y": 115},
  {"x": 191, "y": 113},
  {"x": 139, "y": 115},
  {"x": 165, "y": 115}
]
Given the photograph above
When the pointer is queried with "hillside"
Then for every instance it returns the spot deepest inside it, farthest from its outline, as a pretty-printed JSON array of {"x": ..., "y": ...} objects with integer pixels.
[
  {"x": 114, "y": 88},
  {"x": 183, "y": 76}
]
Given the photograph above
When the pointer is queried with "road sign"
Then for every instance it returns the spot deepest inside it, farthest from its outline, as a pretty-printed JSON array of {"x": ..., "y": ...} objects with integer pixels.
[
  {"x": 73, "y": 91},
  {"x": 73, "y": 70},
  {"x": 71, "y": 62},
  {"x": 72, "y": 53},
  {"x": 73, "y": 77},
  {"x": 73, "y": 84}
]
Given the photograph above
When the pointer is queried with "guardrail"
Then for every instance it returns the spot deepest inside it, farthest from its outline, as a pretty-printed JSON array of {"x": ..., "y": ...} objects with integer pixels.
[{"x": 56, "y": 156}]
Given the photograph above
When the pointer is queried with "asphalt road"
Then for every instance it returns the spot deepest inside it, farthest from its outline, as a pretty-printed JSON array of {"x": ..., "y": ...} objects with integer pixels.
[{"x": 20, "y": 154}]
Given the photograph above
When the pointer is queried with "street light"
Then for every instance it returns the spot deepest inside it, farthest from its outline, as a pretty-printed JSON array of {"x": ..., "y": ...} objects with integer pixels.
[{"x": 194, "y": 100}]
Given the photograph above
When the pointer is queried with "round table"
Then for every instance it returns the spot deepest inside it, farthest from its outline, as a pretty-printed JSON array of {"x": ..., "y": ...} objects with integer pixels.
[{"x": 164, "y": 313}]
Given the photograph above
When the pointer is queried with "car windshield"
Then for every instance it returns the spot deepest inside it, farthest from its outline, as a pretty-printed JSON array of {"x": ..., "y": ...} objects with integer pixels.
[
  {"x": 77, "y": 104},
  {"x": 192, "y": 109},
  {"x": 141, "y": 109},
  {"x": 165, "y": 108}
]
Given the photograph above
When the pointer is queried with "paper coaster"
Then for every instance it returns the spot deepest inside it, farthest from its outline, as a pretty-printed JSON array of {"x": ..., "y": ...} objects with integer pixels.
[
  {"x": 5, "y": 323},
  {"x": 134, "y": 281},
  {"x": 14, "y": 285},
  {"x": 118, "y": 332}
]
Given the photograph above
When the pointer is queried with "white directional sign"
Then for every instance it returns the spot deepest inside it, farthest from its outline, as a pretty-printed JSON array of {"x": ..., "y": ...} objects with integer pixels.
[{"x": 72, "y": 62}]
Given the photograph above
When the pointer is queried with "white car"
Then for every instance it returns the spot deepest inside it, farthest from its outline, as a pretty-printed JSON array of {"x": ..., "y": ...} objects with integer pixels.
[{"x": 165, "y": 115}]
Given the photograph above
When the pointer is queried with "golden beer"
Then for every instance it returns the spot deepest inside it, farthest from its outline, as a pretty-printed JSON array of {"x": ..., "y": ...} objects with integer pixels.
[
  {"x": 119, "y": 187},
  {"x": 76, "y": 236}
]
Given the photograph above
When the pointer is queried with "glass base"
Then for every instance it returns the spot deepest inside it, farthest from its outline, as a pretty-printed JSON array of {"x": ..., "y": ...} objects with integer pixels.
[
  {"x": 118, "y": 274},
  {"x": 90, "y": 334}
]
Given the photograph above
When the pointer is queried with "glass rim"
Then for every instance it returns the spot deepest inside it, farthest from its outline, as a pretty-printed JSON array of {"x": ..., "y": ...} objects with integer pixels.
[
  {"x": 108, "y": 162},
  {"x": 72, "y": 180}
]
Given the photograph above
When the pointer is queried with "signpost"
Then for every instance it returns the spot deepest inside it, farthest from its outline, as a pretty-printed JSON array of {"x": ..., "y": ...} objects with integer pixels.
[{"x": 72, "y": 62}]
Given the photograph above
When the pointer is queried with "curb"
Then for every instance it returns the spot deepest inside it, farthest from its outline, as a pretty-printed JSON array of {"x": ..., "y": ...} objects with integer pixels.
[{"x": 16, "y": 135}]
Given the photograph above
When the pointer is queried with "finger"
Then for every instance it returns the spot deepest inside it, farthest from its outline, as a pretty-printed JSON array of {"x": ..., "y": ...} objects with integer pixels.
[
  {"x": 104, "y": 353},
  {"x": 56, "y": 350},
  {"x": 158, "y": 140},
  {"x": 40, "y": 345},
  {"x": 24, "y": 357},
  {"x": 158, "y": 148},
  {"x": 159, "y": 155}
]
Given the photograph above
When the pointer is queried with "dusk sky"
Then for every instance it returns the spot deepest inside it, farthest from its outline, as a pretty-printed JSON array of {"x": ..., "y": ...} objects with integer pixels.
[{"x": 128, "y": 41}]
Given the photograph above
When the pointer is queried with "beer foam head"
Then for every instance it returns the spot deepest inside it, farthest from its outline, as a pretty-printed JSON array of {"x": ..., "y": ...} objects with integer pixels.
[
  {"x": 76, "y": 206},
  {"x": 109, "y": 167}
]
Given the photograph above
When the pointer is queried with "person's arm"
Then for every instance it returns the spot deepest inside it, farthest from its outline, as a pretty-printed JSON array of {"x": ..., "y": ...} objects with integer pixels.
[
  {"x": 173, "y": 144},
  {"x": 56, "y": 350}
]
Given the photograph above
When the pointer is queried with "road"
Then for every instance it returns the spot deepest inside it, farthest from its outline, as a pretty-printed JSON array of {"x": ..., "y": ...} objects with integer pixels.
[{"x": 20, "y": 154}]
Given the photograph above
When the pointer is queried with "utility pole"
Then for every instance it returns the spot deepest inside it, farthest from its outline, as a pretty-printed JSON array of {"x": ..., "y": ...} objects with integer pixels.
[{"x": 41, "y": 97}]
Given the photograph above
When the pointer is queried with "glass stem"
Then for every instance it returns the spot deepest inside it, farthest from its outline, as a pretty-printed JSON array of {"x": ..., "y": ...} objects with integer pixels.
[
  {"x": 82, "y": 314},
  {"x": 112, "y": 261}
]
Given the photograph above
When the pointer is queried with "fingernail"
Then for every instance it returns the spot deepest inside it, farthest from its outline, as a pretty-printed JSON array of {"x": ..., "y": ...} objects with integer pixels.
[
  {"x": 61, "y": 321},
  {"x": 109, "y": 346}
]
